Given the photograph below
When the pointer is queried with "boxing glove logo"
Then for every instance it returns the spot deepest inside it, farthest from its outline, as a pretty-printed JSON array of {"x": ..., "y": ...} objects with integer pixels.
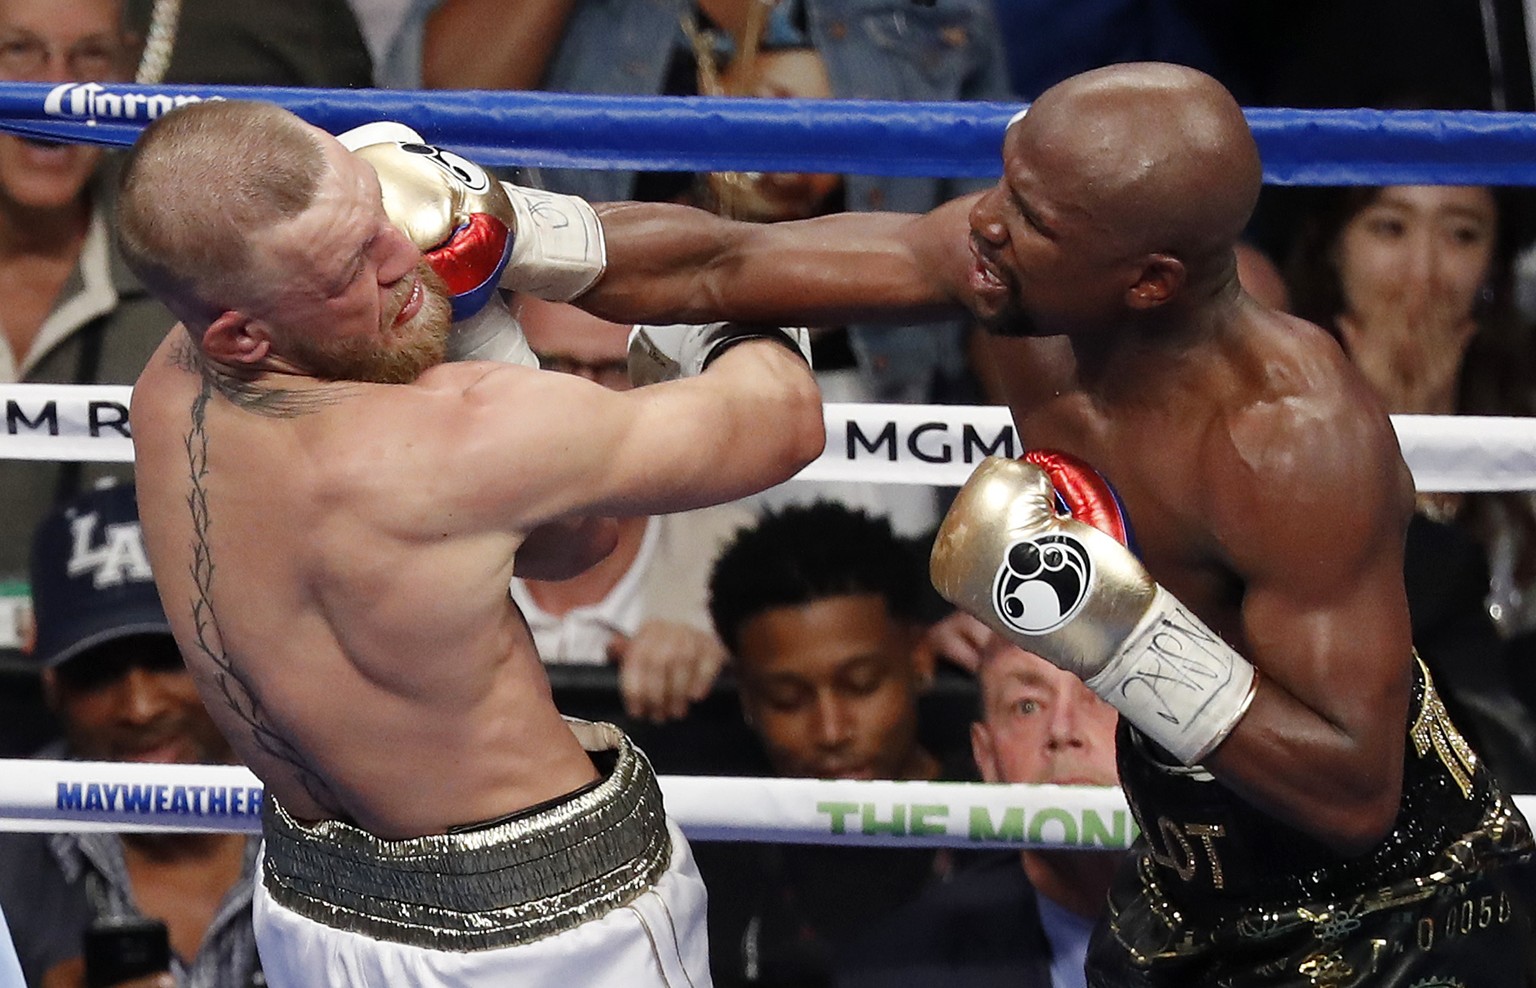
[
  {"x": 1041, "y": 583},
  {"x": 463, "y": 171}
]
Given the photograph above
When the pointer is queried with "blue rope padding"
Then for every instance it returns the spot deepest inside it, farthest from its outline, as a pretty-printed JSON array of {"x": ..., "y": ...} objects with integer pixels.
[{"x": 504, "y": 129}]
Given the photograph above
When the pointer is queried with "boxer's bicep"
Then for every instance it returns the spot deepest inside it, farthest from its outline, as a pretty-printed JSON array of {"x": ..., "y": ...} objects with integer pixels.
[
  {"x": 1322, "y": 742},
  {"x": 1314, "y": 538}
]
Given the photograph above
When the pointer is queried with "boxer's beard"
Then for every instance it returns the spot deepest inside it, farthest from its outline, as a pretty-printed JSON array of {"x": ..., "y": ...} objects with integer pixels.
[
  {"x": 1011, "y": 320},
  {"x": 399, "y": 354}
]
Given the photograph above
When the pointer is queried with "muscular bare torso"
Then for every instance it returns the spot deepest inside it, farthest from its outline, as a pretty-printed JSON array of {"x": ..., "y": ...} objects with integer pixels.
[
  {"x": 352, "y": 638},
  {"x": 1186, "y": 435},
  {"x": 1266, "y": 491}
]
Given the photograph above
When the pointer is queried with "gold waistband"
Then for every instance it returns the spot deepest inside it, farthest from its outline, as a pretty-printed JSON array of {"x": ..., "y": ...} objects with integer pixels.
[{"x": 506, "y": 883}]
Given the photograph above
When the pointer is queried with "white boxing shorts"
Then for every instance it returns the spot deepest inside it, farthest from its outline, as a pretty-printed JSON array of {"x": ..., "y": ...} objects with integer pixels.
[{"x": 597, "y": 890}]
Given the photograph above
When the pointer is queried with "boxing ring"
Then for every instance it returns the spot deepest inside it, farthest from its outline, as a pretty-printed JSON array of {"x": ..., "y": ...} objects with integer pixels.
[{"x": 897, "y": 444}]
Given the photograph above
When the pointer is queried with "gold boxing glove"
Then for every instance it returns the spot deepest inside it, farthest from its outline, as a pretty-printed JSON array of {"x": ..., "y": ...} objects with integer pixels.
[
  {"x": 479, "y": 232},
  {"x": 447, "y": 205},
  {"x": 1082, "y": 601},
  {"x": 462, "y": 221}
]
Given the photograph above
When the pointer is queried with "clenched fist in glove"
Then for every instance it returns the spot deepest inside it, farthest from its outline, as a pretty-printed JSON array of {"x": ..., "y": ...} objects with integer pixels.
[
  {"x": 1080, "y": 599},
  {"x": 666, "y": 353},
  {"x": 462, "y": 222},
  {"x": 524, "y": 240}
]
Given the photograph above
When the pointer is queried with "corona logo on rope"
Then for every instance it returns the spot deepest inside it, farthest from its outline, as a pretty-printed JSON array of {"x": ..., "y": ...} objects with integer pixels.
[{"x": 91, "y": 101}]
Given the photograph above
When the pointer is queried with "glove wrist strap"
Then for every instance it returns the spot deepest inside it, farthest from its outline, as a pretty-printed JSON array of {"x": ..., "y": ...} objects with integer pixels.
[
  {"x": 557, "y": 249},
  {"x": 727, "y": 339},
  {"x": 1177, "y": 681}
]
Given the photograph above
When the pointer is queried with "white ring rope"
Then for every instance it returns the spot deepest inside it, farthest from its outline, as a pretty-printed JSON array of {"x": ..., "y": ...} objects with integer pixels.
[
  {"x": 876, "y": 443},
  {"x": 40, "y": 795},
  {"x": 159, "y": 42}
]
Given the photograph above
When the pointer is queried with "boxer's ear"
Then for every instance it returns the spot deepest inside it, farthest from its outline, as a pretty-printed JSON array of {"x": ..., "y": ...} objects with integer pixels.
[
  {"x": 1160, "y": 278},
  {"x": 235, "y": 338}
]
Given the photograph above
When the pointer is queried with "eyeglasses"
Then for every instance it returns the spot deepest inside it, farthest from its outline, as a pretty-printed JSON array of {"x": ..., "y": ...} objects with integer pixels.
[
  {"x": 612, "y": 374},
  {"x": 24, "y": 55}
]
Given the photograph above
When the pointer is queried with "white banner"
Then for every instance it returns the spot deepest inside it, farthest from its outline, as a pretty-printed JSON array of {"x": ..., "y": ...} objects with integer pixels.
[
  {"x": 880, "y": 443},
  {"x": 39, "y": 795},
  {"x": 66, "y": 422}
]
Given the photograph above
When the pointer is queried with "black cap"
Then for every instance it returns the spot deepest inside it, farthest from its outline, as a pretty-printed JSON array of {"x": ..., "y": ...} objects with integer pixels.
[{"x": 91, "y": 582}]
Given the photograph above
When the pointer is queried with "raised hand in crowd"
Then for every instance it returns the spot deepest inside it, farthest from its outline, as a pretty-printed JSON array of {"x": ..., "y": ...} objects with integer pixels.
[
  {"x": 664, "y": 668},
  {"x": 959, "y": 639}
]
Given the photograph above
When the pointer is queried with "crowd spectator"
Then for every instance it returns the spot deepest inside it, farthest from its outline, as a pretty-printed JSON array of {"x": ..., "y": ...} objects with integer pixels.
[
  {"x": 113, "y": 675},
  {"x": 273, "y": 43},
  {"x": 996, "y": 923},
  {"x": 643, "y": 607},
  {"x": 73, "y": 312},
  {"x": 821, "y": 607},
  {"x": 1416, "y": 283},
  {"x": 462, "y": 44}
]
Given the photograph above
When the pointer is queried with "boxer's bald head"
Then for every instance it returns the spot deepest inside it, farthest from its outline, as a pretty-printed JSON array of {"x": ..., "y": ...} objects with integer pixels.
[
  {"x": 1161, "y": 153},
  {"x": 199, "y": 181},
  {"x": 1133, "y": 171}
]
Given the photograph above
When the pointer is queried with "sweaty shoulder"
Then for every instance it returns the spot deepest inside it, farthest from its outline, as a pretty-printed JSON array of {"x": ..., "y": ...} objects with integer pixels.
[{"x": 1302, "y": 437}]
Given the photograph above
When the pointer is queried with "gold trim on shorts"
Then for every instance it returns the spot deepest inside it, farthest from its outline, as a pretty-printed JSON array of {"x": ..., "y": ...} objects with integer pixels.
[{"x": 509, "y": 882}]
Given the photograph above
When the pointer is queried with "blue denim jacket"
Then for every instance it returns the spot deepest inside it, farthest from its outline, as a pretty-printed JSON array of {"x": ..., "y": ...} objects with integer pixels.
[{"x": 873, "y": 49}]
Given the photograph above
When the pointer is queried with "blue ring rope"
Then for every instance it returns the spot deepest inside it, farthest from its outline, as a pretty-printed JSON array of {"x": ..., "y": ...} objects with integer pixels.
[{"x": 1299, "y": 147}]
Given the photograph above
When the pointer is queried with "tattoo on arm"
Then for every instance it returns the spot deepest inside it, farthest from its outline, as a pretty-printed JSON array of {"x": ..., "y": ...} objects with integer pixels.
[{"x": 238, "y": 693}]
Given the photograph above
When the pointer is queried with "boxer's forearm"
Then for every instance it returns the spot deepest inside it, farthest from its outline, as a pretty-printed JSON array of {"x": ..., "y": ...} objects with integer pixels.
[
  {"x": 671, "y": 263},
  {"x": 1339, "y": 783}
]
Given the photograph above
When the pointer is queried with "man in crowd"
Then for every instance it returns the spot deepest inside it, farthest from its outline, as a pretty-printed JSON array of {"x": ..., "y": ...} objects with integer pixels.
[
  {"x": 1288, "y": 758},
  {"x": 821, "y": 607},
  {"x": 996, "y": 923},
  {"x": 643, "y": 607},
  {"x": 113, "y": 676},
  {"x": 334, "y": 516},
  {"x": 74, "y": 314}
]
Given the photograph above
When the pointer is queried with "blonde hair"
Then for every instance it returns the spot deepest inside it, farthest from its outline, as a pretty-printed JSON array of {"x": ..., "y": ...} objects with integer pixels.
[{"x": 198, "y": 181}]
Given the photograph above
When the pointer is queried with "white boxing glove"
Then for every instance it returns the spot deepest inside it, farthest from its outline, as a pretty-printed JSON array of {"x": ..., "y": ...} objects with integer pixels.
[
  {"x": 493, "y": 333},
  {"x": 666, "y": 353}
]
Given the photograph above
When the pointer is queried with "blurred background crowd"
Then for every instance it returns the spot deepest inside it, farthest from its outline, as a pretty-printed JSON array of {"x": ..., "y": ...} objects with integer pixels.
[{"x": 794, "y": 634}]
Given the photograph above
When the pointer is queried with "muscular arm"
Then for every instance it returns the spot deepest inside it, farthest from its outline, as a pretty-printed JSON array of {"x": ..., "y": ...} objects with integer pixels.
[
  {"x": 669, "y": 263},
  {"x": 1318, "y": 539},
  {"x": 545, "y": 447}
]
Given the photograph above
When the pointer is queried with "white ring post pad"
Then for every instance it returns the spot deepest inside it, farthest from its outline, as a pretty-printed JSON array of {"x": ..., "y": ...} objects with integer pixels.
[{"x": 1177, "y": 681}]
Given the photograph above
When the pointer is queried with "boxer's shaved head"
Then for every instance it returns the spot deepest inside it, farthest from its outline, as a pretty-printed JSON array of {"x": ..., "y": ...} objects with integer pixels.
[
  {"x": 1123, "y": 189},
  {"x": 199, "y": 181},
  {"x": 1162, "y": 154}
]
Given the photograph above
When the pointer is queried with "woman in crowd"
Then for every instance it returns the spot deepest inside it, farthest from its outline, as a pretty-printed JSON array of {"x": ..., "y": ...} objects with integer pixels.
[{"x": 1417, "y": 284}]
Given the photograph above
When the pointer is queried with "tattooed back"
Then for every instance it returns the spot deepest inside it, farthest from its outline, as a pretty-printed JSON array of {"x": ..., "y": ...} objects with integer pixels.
[{"x": 340, "y": 600}]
